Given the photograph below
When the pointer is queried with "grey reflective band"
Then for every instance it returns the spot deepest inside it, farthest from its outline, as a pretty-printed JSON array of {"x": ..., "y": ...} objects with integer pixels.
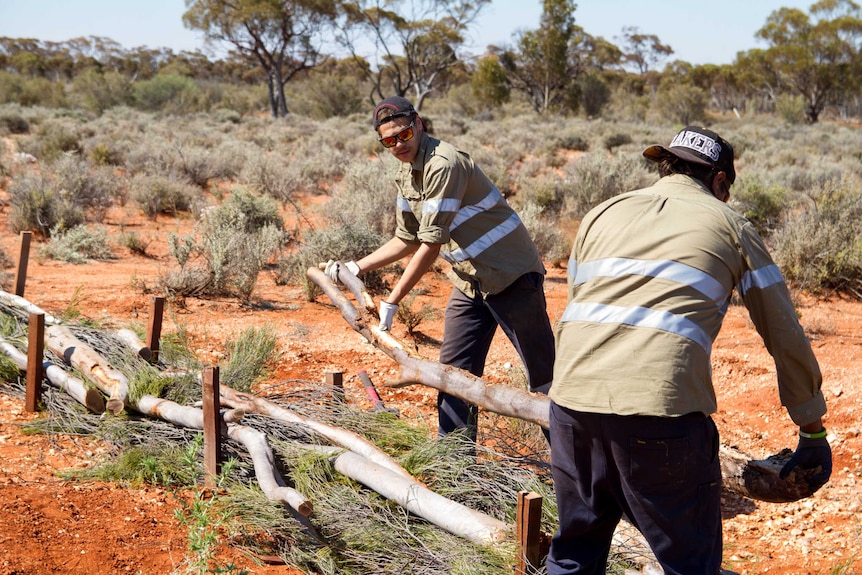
[
  {"x": 638, "y": 317},
  {"x": 484, "y": 242},
  {"x": 467, "y": 212},
  {"x": 661, "y": 269},
  {"x": 440, "y": 205},
  {"x": 762, "y": 278}
]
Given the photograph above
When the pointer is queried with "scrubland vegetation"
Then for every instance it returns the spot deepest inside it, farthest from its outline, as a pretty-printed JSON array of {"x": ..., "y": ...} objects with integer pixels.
[{"x": 801, "y": 185}]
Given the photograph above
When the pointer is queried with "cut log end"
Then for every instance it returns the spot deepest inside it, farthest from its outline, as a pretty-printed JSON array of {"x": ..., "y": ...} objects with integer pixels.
[
  {"x": 115, "y": 406},
  {"x": 94, "y": 401},
  {"x": 758, "y": 478},
  {"x": 305, "y": 509},
  {"x": 761, "y": 479}
]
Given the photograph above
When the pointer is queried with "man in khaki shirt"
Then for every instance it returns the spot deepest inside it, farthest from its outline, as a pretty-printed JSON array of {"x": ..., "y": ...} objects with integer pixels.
[
  {"x": 447, "y": 207},
  {"x": 650, "y": 278}
]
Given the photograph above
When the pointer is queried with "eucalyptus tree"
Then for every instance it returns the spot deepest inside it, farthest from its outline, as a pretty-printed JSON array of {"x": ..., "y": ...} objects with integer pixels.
[
  {"x": 545, "y": 65},
  {"x": 413, "y": 44},
  {"x": 815, "y": 55},
  {"x": 283, "y": 37},
  {"x": 643, "y": 52}
]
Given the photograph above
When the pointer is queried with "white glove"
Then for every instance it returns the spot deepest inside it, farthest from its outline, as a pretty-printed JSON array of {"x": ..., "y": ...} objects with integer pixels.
[
  {"x": 333, "y": 267},
  {"x": 387, "y": 313}
]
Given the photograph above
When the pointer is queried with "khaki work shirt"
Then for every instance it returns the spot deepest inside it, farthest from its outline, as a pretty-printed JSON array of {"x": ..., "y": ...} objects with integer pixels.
[
  {"x": 650, "y": 278},
  {"x": 444, "y": 198}
]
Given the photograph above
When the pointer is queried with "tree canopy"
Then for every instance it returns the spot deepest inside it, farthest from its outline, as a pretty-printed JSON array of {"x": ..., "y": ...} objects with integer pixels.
[{"x": 284, "y": 37}]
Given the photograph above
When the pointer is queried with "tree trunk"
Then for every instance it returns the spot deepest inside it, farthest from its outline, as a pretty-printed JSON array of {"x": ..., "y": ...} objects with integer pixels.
[{"x": 757, "y": 479}]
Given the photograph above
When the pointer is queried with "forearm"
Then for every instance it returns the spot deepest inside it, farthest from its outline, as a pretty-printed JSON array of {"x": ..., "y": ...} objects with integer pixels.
[
  {"x": 812, "y": 427},
  {"x": 391, "y": 251},
  {"x": 419, "y": 264}
]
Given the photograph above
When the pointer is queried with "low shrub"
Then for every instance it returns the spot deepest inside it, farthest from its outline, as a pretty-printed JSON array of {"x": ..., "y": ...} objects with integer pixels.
[
  {"x": 38, "y": 206},
  {"x": 762, "y": 205},
  {"x": 157, "y": 194},
  {"x": 820, "y": 247},
  {"x": 54, "y": 138},
  {"x": 231, "y": 245},
  {"x": 78, "y": 245},
  {"x": 335, "y": 242}
]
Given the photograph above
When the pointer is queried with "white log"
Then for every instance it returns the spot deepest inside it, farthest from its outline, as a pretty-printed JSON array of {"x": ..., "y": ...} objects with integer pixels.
[
  {"x": 76, "y": 388},
  {"x": 270, "y": 481},
  {"x": 20, "y": 302},
  {"x": 337, "y": 435},
  {"x": 450, "y": 515},
  {"x": 131, "y": 339},
  {"x": 114, "y": 384}
]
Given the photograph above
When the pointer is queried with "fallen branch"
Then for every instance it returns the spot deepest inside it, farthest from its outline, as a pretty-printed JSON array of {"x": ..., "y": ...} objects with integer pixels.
[
  {"x": 132, "y": 340},
  {"x": 26, "y": 306},
  {"x": 337, "y": 435},
  {"x": 114, "y": 384},
  {"x": 270, "y": 481},
  {"x": 419, "y": 500},
  {"x": 76, "y": 388}
]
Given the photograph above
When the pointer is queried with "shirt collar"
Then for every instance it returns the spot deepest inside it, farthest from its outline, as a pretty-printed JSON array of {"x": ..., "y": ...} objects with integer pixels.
[{"x": 418, "y": 165}]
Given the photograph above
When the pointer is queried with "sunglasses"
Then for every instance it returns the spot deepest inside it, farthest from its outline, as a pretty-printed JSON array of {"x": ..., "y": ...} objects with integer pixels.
[{"x": 404, "y": 135}]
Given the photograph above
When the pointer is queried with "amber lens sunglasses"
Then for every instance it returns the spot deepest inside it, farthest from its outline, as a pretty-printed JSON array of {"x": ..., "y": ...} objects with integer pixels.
[{"x": 404, "y": 135}]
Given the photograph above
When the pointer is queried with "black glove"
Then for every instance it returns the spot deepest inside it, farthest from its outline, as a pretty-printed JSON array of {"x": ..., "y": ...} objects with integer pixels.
[{"x": 811, "y": 452}]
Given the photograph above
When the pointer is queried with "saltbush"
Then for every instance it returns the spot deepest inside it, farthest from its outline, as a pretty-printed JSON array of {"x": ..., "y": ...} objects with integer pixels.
[
  {"x": 336, "y": 242},
  {"x": 820, "y": 247},
  {"x": 162, "y": 194},
  {"x": 231, "y": 244},
  {"x": 38, "y": 206},
  {"x": 53, "y": 138},
  {"x": 77, "y": 245},
  {"x": 762, "y": 205}
]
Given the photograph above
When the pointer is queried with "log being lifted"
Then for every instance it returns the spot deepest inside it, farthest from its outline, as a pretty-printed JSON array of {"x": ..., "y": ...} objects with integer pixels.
[
  {"x": 756, "y": 479},
  {"x": 114, "y": 384}
]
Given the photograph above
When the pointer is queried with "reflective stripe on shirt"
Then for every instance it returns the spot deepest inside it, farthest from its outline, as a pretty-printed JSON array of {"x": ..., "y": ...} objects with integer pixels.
[
  {"x": 453, "y": 205},
  {"x": 762, "y": 278},
  {"x": 662, "y": 269},
  {"x": 484, "y": 242},
  {"x": 638, "y": 317},
  {"x": 467, "y": 212}
]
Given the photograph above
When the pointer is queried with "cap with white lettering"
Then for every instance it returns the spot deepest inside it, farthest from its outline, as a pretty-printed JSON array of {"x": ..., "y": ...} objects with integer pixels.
[{"x": 698, "y": 146}]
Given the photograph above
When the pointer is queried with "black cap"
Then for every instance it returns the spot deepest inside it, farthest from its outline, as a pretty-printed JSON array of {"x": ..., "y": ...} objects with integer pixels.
[
  {"x": 399, "y": 107},
  {"x": 698, "y": 146}
]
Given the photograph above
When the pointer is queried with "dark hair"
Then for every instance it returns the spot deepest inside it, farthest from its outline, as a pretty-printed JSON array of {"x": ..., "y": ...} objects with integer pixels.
[{"x": 670, "y": 165}]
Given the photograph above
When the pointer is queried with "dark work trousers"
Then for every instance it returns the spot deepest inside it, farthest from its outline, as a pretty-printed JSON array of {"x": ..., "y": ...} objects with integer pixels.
[
  {"x": 663, "y": 473},
  {"x": 520, "y": 310}
]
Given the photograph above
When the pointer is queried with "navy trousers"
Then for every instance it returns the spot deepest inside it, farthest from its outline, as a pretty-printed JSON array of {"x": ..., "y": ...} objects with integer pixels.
[
  {"x": 662, "y": 473},
  {"x": 521, "y": 311}
]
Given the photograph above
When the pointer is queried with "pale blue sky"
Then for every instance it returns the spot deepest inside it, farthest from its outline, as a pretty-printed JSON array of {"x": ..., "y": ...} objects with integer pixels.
[{"x": 699, "y": 32}]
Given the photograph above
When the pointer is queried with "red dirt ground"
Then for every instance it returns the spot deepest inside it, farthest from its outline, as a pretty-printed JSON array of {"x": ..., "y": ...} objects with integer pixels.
[{"x": 48, "y": 525}]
